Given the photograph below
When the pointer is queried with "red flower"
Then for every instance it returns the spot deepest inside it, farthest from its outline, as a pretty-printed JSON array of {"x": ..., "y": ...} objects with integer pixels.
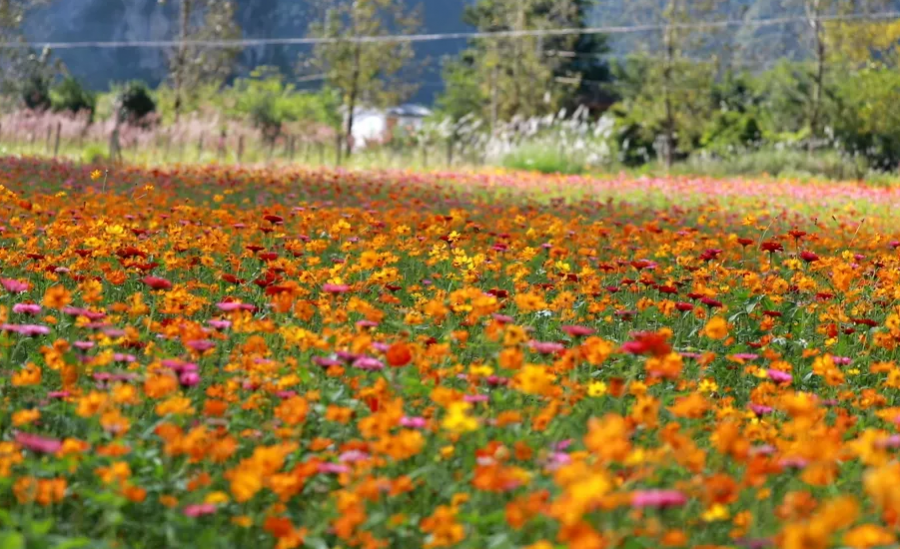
[
  {"x": 398, "y": 354},
  {"x": 647, "y": 343},
  {"x": 772, "y": 246},
  {"x": 157, "y": 283},
  {"x": 809, "y": 257}
]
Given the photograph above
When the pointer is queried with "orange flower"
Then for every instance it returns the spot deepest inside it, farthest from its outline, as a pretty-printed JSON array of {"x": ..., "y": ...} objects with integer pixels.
[{"x": 57, "y": 297}]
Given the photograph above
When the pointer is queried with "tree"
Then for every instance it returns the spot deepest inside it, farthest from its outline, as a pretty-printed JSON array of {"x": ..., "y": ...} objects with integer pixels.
[
  {"x": 23, "y": 69},
  {"x": 463, "y": 96},
  {"x": 192, "y": 67},
  {"x": 531, "y": 75},
  {"x": 671, "y": 89},
  {"x": 370, "y": 72},
  {"x": 830, "y": 40}
]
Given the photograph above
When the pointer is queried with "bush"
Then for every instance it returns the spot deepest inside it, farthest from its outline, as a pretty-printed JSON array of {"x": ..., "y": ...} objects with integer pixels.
[
  {"x": 785, "y": 162},
  {"x": 269, "y": 103},
  {"x": 136, "y": 103},
  {"x": 731, "y": 131},
  {"x": 36, "y": 93},
  {"x": 93, "y": 154},
  {"x": 70, "y": 96},
  {"x": 543, "y": 159}
]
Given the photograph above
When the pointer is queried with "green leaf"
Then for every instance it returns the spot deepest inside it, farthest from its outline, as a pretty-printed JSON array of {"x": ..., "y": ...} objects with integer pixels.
[
  {"x": 315, "y": 543},
  {"x": 12, "y": 540},
  {"x": 75, "y": 543},
  {"x": 41, "y": 527}
]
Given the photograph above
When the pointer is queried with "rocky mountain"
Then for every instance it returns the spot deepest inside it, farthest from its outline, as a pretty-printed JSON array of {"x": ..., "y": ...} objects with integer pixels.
[{"x": 134, "y": 20}]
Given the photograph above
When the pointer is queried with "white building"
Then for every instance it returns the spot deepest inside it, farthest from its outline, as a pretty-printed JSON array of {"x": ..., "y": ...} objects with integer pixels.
[{"x": 377, "y": 125}]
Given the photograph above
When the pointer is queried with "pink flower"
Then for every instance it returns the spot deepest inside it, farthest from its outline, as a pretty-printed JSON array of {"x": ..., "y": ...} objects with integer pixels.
[
  {"x": 475, "y": 398},
  {"x": 353, "y": 456},
  {"x": 189, "y": 379},
  {"x": 760, "y": 409},
  {"x": 201, "y": 345},
  {"x": 779, "y": 377},
  {"x": 14, "y": 286},
  {"x": 335, "y": 288},
  {"x": 38, "y": 444},
  {"x": 26, "y": 308},
  {"x": 219, "y": 324},
  {"x": 29, "y": 330},
  {"x": 413, "y": 422},
  {"x": 335, "y": 468},
  {"x": 198, "y": 510},
  {"x": 368, "y": 364},
  {"x": 657, "y": 498},
  {"x": 83, "y": 345},
  {"x": 78, "y": 311},
  {"x": 229, "y": 306},
  {"x": 577, "y": 331},
  {"x": 547, "y": 347}
]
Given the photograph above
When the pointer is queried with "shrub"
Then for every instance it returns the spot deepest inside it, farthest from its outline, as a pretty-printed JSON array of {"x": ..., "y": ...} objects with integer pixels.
[
  {"x": 36, "y": 93},
  {"x": 93, "y": 154},
  {"x": 541, "y": 158},
  {"x": 70, "y": 96},
  {"x": 136, "y": 103}
]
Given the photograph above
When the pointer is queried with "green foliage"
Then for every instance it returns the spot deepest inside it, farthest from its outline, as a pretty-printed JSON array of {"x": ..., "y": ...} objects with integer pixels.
[
  {"x": 135, "y": 102},
  {"x": 865, "y": 119},
  {"x": 36, "y": 93},
  {"x": 70, "y": 96},
  {"x": 463, "y": 96},
  {"x": 269, "y": 103},
  {"x": 734, "y": 125},
  {"x": 540, "y": 158},
  {"x": 93, "y": 154},
  {"x": 779, "y": 162},
  {"x": 529, "y": 76},
  {"x": 640, "y": 113}
]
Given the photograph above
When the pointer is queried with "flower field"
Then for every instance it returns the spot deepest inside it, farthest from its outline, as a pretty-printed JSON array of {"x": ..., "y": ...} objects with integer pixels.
[{"x": 223, "y": 357}]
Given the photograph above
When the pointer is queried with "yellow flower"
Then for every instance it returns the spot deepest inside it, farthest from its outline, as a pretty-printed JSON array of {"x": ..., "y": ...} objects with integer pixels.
[
  {"x": 596, "y": 389},
  {"x": 95, "y": 175},
  {"x": 716, "y": 513},
  {"x": 457, "y": 419},
  {"x": 217, "y": 497}
]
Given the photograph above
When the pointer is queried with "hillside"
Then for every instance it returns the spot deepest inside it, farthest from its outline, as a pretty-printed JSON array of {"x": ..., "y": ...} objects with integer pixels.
[{"x": 102, "y": 20}]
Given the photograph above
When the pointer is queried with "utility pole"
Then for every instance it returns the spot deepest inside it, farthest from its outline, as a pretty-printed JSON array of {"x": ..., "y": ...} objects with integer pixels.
[
  {"x": 669, "y": 138},
  {"x": 184, "y": 20},
  {"x": 813, "y": 14}
]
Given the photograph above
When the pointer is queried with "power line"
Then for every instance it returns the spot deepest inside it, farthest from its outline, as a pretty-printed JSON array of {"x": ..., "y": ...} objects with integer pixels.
[{"x": 411, "y": 38}]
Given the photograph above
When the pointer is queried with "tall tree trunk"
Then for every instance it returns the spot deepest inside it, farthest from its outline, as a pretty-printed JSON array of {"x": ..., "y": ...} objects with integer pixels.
[
  {"x": 181, "y": 58},
  {"x": 354, "y": 92},
  {"x": 813, "y": 14}
]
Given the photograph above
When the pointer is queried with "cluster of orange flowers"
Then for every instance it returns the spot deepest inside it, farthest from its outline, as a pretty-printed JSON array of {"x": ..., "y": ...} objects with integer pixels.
[{"x": 207, "y": 357}]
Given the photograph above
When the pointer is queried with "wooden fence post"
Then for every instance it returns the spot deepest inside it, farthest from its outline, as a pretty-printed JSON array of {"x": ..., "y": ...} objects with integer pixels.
[{"x": 56, "y": 145}]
